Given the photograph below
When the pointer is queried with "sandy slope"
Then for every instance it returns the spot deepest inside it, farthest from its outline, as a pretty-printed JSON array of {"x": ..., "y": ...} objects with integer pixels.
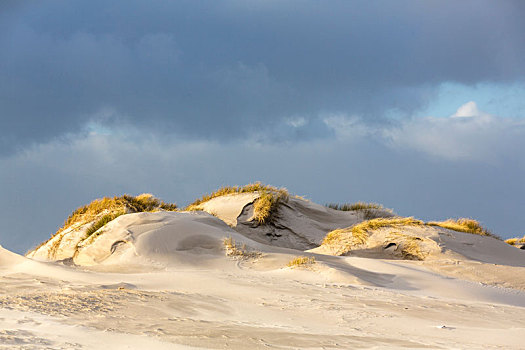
[{"x": 163, "y": 280}]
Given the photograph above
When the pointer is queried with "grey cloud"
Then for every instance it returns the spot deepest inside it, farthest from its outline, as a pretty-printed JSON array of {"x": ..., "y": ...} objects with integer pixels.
[
  {"x": 44, "y": 183},
  {"x": 220, "y": 70}
]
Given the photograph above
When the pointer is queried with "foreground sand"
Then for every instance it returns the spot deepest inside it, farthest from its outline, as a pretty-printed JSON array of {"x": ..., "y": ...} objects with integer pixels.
[
  {"x": 392, "y": 305},
  {"x": 163, "y": 281}
]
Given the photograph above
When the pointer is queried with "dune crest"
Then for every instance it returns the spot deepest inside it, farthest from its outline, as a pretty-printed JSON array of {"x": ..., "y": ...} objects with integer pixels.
[{"x": 254, "y": 267}]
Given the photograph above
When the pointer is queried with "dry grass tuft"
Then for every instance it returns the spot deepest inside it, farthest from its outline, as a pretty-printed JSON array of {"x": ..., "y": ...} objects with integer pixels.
[
  {"x": 238, "y": 252},
  {"x": 514, "y": 241},
  {"x": 410, "y": 245},
  {"x": 267, "y": 204},
  {"x": 354, "y": 206},
  {"x": 301, "y": 261},
  {"x": 105, "y": 209},
  {"x": 369, "y": 210},
  {"x": 254, "y": 187},
  {"x": 463, "y": 225},
  {"x": 264, "y": 206},
  {"x": 102, "y": 222},
  {"x": 127, "y": 204},
  {"x": 344, "y": 240}
]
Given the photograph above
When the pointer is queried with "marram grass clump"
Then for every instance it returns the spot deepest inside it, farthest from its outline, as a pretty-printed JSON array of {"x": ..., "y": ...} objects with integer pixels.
[
  {"x": 264, "y": 206},
  {"x": 301, "y": 261},
  {"x": 463, "y": 225},
  {"x": 240, "y": 252},
  {"x": 409, "y": 246},
  {"x": 515, "y": 241},
  {"x": 254, "y": 187},
  {"x": 267, "y": 204},
  {"x": 145, "y": 202},
  {"x": 354, "y": 206},
  {"x": 104, "y": 210},
  {"x": 102, "y": 222},
  {"x": 346, "y": 239},
  {"x": 368, "y": 210}
]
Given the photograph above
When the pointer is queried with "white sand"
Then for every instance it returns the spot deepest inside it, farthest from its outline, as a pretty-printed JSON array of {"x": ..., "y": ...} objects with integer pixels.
[{"x": 162, "y": 280}]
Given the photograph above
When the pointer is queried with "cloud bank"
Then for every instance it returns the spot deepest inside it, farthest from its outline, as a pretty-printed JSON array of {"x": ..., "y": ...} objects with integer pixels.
[
  {"x": 433, "y": 168},
  {"x": 103, "y": 98},
  {"x": 216, "y": 71}
]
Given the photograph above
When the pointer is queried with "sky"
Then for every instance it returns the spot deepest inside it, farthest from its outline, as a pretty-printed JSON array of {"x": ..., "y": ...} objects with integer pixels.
[{"x": 417, "y": 105}]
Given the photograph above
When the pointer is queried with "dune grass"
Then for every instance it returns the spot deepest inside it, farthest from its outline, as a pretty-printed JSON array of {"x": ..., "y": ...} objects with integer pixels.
[
  {"x": 237, "y": 251},
  {"x": 515, "y": 240},
  {"x": 301, "y": 261},
  {"x": 267, "y": 204},
  {"x": 106, "y": 209},
  {"x": 464, "y": 225},
  {"x": 353, "y": 206},
  {"x": 410, "y": 246},
  {"x": 344, "y": 240},
  {"x": 254, "y": 187},
  {"x": 102, "y": 222},
  {"x": 264, "y": 206},
  {"x": 145, "y": 202},
  {"x": 369, "y": 210}
]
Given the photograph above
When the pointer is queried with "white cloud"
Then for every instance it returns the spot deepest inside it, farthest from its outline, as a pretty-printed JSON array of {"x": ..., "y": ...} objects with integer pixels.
[
  {"x": 361, "y": 163},
  {"x": 469, "y": 134},
  {"x": 296, "y": 122},
  {"x": 469, "y": 109},
  {"x": 347, "y": 127}
]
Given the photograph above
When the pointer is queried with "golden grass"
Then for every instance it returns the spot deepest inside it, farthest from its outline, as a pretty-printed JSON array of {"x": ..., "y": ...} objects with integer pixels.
[
  {"x": 238, "y": 252},
  {"x": 348, "y": 238},
  {"x": 125, "y": 203},
  {"x": 109, "y": 208},
  {"x": 354, "y": 206},
  {"x": 410, "y": 245},
  {"x": 254, "y": 187},
  {"x": 369, "y": 210},
  {"x": 301, "y": 261},
  {"x": 264, "y": 206},
  {"x": 463, "y": 225},
  {"x": 102, "y": 222},
  {"x": 515, "y": 240},
  {"x": 267, "y": 204}
]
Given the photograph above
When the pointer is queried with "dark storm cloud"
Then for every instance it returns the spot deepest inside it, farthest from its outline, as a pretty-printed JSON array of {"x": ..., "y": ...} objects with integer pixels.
[{"x": 221, "y": 69}]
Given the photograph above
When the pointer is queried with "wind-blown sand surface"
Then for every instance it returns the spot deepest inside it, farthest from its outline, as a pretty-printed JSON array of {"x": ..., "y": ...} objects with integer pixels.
[{"x": 163, "y": 280}]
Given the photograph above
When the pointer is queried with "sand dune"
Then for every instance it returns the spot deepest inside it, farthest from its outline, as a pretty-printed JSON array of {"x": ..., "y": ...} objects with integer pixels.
[{"x": 167, "y": 279}]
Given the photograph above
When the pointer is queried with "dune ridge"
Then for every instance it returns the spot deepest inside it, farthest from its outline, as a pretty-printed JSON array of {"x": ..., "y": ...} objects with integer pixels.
[{"x": 218, "y": 277}]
